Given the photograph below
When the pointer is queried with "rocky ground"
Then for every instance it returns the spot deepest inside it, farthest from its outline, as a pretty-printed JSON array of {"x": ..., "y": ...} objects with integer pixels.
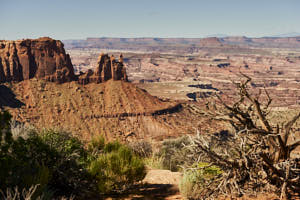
[{"x": 115, "y": 109}]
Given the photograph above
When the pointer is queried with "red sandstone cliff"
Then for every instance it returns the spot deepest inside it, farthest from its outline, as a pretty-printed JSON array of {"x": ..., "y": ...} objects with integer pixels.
[
  {"x": 43, "y": 58},
  {"x": 108, "y": 68}
]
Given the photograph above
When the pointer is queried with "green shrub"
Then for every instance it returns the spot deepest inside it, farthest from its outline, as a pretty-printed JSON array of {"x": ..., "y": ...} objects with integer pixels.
[
  {"x": 56, "y": 163},
  {"x": 64, "y": 143},
  {"x": 198, "y": 181},
  {"x": 112, "y": 146},
  {"x": 154, "y": 162},
  {"x": 97, "y": 144},
  {"x": 50, "y": 160},
  {"x": 6, "y": 139},
  {"x": 117, "y": 168},
  {"x": 95, "y": 147},
  {"x": 21, "y": 161},
  {"x": 67, "y": 161}
]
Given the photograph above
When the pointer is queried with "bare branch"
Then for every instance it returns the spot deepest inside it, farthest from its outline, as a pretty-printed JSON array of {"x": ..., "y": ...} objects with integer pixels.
[
  {"x": 288, "y": 127},
  {"x": 293, "y": 146},
  {"x": 256, "y": 157}
]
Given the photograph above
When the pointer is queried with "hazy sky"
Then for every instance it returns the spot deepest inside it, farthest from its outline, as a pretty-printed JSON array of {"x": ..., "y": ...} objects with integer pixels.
[{"x": 78, "y": 19}]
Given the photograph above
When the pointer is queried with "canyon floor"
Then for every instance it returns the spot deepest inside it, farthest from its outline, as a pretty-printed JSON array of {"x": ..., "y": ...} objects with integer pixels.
[
  {"x": 195, "y": 75},
  {"x": 198, "y": 75}
]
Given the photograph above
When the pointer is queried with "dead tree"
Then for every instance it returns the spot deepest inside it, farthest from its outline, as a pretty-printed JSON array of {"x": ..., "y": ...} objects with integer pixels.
[{"x": 256, "y": 157}]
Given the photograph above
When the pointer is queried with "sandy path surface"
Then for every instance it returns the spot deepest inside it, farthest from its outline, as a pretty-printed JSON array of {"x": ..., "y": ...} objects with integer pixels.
[{"x": 158, "y": 184}]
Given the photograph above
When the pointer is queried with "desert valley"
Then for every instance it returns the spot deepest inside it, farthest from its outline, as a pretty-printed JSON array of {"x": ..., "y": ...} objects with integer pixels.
[
  {"x": 138, "y": 90},
  {"x": 150, "y": 100},
  {"x": 192, "y": 69}
]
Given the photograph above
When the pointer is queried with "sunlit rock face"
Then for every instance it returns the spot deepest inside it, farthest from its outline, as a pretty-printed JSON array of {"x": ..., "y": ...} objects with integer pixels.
[
  {"x": 42, "y": 58},
  {"x": 107, "y": 68}
]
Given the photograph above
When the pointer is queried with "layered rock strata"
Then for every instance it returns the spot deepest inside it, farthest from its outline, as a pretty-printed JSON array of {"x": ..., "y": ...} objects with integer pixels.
[
  {"x": 42, "y": 58},
  {"x": 45, "y": 58},
  {"x": 107, "y": 68}
]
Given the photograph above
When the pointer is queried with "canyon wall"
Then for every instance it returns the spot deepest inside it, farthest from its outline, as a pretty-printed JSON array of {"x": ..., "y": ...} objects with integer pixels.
[
  {"x": 42, "y": 58},
  {"x": 46, "y": 59}
]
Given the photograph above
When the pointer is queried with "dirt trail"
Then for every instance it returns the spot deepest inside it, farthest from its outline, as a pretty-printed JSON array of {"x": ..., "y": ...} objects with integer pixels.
[
  {"x": 164, "y": 185},
  {"x": 157, "y": 185}
]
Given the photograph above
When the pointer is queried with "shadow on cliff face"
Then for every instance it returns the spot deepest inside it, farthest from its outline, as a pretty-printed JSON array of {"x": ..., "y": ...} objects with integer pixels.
[{"x": 8, "y": 98}]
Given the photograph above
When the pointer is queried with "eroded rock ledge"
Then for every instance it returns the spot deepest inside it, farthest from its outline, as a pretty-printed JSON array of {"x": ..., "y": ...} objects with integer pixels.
[
  {"x": 107, "y": 68},
  {"x": 45, "y": 58},
  {"x": 42, "y": 58}
]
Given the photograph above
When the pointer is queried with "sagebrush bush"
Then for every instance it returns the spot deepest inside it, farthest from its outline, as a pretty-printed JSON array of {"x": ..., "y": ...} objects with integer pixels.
[
  {"x": 117, "y": 168},
  {"x": 174, "y": 154},
  {"x": 18, "y": 129},
  {"x": 141, "y": 148},
  {"x": 198, "y": 180}
]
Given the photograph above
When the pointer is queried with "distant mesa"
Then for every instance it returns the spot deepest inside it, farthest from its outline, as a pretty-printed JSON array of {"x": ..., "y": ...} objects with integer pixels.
[
  {"x": 185, "y": 45},
  {"x": 271, "y": 42},
  {"x": 42, "y": 58},
  {"x": 45, "y": 58},
  {"x": 107, "y": 68},
  {"x": 211, "y": 41}
]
